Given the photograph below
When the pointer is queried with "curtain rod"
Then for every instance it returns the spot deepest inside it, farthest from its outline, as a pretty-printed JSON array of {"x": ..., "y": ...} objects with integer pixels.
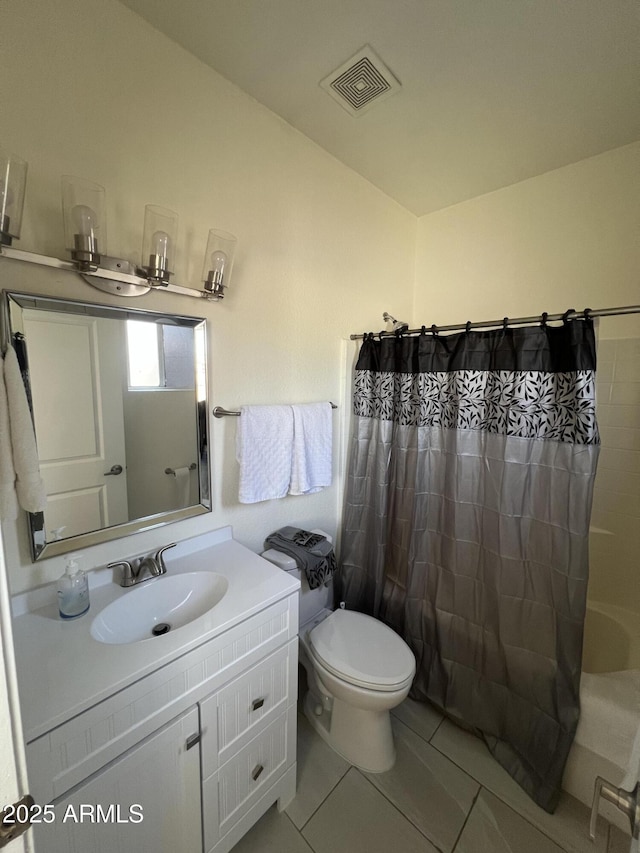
[{"x": 571, "y": 314}]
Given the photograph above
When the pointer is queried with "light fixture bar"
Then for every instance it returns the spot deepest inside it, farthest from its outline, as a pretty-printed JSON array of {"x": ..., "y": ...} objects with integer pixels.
[{"x": 114, "y": 278}]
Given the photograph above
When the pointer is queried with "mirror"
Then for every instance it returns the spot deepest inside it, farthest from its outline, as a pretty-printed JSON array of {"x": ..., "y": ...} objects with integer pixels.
[{"x": 119, "y": 402}]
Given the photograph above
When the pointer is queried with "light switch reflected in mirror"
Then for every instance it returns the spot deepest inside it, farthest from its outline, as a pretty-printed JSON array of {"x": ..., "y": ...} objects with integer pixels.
[{"x": 118, "y": 398}]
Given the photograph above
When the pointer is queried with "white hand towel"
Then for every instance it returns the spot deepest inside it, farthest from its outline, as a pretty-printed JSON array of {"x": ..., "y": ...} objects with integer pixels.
[
  {"x": 264, "y": 443},
  {"x": 8, "y": 497},
  {"x": 312, "y": 443},
  {"x": 183, "y": 486},
  {"x": 32, "y": 494}
]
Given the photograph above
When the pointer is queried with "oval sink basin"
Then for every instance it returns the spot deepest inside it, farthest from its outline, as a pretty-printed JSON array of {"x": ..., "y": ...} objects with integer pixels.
[{"x": 158, "y": 607}]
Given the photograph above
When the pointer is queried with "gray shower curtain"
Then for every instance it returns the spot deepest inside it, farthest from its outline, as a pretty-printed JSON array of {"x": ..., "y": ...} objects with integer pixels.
[{"x": 471, "y": 470}]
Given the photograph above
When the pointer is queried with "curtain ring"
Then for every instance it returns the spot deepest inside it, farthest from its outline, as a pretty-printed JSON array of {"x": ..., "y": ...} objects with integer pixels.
[
  {"x": 587, "y": 312},
  {"x": 423, "y": 331},
  {"x": 434, "y": 330},
  {"x": 565, "y": 316},
  {"x": 505, "y": 323},
  {"x": 543, "y": 319},
  {"x": 467, "y": 328}
]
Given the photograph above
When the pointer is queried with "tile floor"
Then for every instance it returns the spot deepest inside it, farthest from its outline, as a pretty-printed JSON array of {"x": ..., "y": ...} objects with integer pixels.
[{"x": 445, "y": 793}]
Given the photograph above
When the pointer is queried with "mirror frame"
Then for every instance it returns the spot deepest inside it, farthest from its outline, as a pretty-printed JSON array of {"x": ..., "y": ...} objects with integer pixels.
[{"x": 12, "y": 304}]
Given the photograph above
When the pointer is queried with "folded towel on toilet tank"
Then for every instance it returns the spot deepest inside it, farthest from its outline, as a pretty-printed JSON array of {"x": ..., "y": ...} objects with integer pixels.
[{"x": 312, "y": 552}]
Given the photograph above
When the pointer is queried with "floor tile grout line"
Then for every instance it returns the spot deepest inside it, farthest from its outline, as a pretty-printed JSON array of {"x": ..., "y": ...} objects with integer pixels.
[
  {"x": 455, "y": 763},
  {"x": 415, "y": 731},
  {"x": 437, "y": 729},
  {"x": 466, "y": 820},
  {"x": 398, "y": 809},
  {"x": 309, "y": 845},
  {"x": 324, "y": 799},
  {"x": 556, "y": 841},
  {"x": 524, "y": 817}
]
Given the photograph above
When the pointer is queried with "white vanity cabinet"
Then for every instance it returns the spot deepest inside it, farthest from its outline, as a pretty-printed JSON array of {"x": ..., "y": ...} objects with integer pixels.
[
  {"x": 205, "y": 744},
  {"x": 248, "y": 743},
  {"x": 147, "y": 800}
]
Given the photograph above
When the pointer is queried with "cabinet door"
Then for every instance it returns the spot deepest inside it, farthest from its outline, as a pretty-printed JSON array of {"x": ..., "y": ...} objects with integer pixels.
[{"x": 147, "y": 800}]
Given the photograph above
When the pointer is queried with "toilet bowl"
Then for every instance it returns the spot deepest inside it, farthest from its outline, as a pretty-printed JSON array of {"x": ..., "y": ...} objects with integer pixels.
[{"x": 357, "y": 668}]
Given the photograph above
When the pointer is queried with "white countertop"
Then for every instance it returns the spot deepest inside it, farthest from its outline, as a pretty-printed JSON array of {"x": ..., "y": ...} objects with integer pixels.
[{"x": 63, "y": 670}]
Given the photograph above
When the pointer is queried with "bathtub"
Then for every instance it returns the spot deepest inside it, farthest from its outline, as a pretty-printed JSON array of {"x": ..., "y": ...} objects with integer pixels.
[{"x": 610, "y": 704}]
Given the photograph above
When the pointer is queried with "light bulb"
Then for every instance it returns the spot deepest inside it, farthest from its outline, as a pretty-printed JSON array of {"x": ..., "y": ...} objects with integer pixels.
[
  {"x": 6, "y": 195},
  {"x": 85, "y": 220},
  {"x": 160, "y": 244},
  {"x": 218, "y": 260}
]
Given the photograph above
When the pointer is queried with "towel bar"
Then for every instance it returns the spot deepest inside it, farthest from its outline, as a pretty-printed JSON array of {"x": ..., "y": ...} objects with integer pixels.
[
  {"x": 192, "y": 467},
  {"x": 219, "y": 412}
]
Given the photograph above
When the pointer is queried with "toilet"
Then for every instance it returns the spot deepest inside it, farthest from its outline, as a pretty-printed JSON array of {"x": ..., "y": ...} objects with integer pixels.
[{"x": 357, "y": 668}]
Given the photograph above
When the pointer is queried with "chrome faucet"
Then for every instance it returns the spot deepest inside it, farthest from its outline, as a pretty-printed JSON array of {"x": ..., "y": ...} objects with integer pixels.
[{"x": 135, "y": 571}]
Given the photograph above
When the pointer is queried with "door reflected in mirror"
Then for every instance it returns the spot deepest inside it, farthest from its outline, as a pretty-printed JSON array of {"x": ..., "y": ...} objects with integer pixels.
[{"x": 120, "y": 413}]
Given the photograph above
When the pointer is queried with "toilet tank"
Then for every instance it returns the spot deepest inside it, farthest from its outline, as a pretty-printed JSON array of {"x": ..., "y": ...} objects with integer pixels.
[{"x": 312, "y": 601}]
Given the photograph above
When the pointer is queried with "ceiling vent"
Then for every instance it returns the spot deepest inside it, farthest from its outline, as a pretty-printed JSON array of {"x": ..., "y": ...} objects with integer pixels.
[{"x": 361, "y": 82}]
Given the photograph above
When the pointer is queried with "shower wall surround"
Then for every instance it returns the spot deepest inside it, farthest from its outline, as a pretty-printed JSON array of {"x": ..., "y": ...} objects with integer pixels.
[{"x": 616, "y": 500}]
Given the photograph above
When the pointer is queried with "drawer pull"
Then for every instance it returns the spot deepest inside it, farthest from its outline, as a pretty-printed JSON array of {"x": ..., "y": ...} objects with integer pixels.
[
  {"x": 192, "y": 740},
  {"x": 257, "y": 771},
  {"x": 257, "y": 703}
]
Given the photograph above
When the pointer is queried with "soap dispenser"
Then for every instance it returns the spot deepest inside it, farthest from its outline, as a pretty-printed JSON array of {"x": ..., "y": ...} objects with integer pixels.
[{"x": 73, "y": 590}]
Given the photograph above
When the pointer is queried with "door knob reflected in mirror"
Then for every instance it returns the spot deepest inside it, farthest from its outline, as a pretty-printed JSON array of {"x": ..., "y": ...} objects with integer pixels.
[{"x": 115, "y": 470}]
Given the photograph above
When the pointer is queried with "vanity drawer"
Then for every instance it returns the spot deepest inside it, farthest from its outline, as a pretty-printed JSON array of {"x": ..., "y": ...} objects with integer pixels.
[
  {"x": 229, "y": 794},
  {"x": 238, "y": 712},
  {"x": 73, "y": 751}
]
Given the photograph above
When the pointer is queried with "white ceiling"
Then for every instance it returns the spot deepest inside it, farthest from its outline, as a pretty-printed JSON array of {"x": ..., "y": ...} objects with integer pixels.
[{"x": 493, "y": 91}]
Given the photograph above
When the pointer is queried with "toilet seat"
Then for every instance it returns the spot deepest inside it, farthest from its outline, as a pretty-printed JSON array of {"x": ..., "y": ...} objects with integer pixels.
[{"x": 362, "y": 651}]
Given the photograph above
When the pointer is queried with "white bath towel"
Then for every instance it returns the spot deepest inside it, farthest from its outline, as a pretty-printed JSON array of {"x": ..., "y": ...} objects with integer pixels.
[
  {"x": 8, "y": 497},
  {"x": 32, "y": 494},
  {"x": 312, "y": 444},
  {"x": 264, "y": 445}
]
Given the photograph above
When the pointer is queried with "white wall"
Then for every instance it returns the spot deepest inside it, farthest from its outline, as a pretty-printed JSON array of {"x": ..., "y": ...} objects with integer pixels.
[
  {"x": 567, "y": 239},
  {"x": 92, "y": 90}
]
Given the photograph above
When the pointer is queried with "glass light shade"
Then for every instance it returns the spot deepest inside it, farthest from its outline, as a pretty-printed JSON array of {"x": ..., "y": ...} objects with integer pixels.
[
  {"x": 159, "y": 243},
  {"x": 85, "y": 229},
  {"x": 218, "y": 261},
  {"x": 13, "y": 180}
]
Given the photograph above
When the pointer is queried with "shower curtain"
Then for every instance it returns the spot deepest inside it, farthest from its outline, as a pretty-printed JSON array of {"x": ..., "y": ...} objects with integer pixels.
[{"x": 471, "y": 471}]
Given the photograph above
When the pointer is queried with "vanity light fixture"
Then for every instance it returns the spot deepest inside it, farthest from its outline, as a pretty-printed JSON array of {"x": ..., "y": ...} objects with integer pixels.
[
  {"x": 13, "y": 180},
  {"x": 218, "y": 261},
  {"x": 84, "y": 215}
]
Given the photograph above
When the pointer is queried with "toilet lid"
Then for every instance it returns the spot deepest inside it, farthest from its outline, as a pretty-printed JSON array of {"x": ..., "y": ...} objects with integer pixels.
[{"x": 362, "y": 650}]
